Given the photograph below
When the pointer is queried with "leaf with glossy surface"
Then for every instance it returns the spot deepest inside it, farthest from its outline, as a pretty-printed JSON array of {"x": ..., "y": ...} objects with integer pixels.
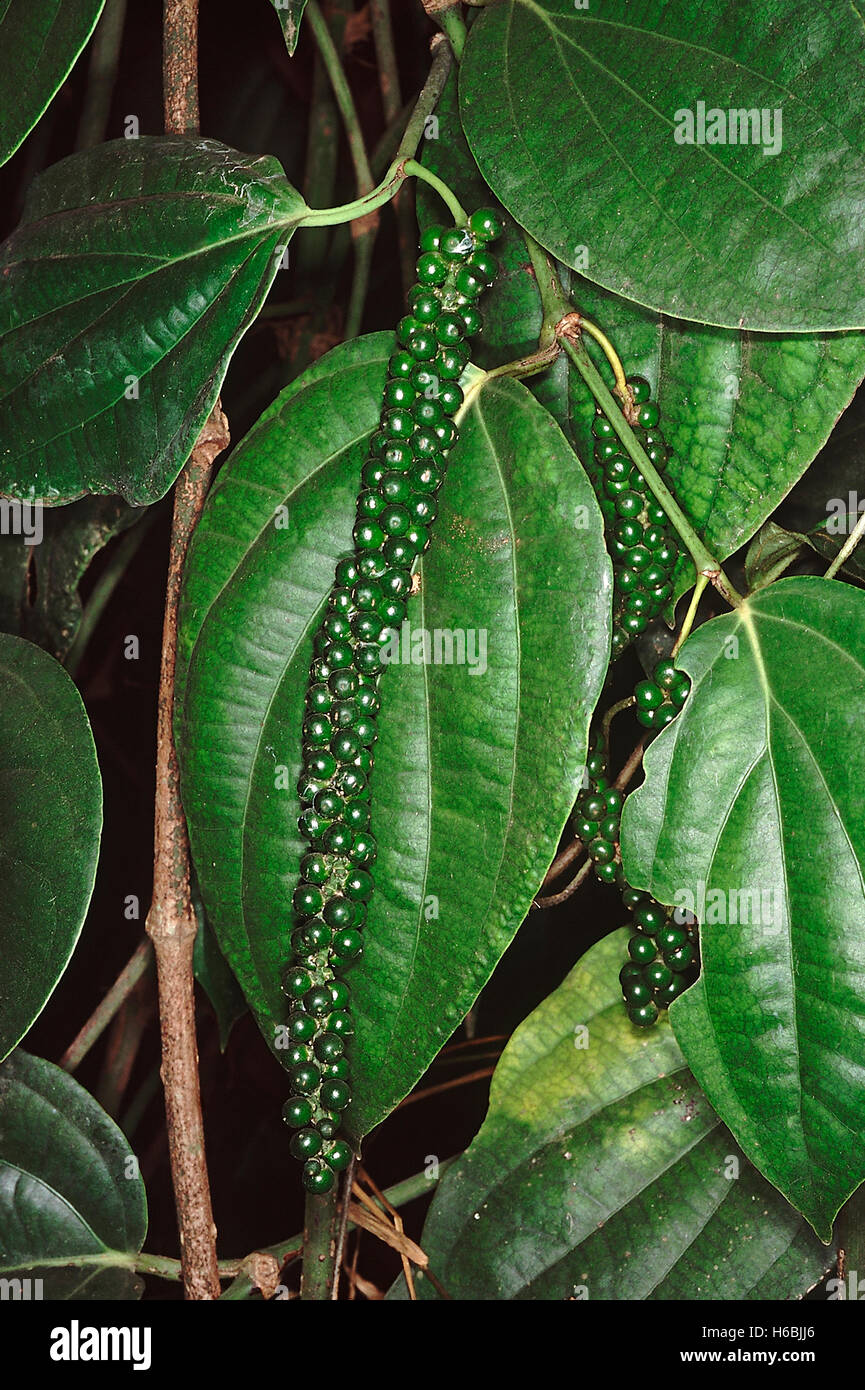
[
  {"x": 39, "y": 44},
  {"x": 601, "y": 1172},
  {"x": 290, "y": 14},
  {"x": 517, "y": 565},
  {"x": 752, "y": 815},
  {"x": 50, "y": 824},
  {"x": 69, "y": 1186},
  {"x": 744, "y": 413},
  {"x": 721, "y": 233},
  {"x": 136, "y": 269}
]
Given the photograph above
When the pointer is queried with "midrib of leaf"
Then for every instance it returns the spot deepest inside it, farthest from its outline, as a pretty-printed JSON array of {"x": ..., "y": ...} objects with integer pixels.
[{"x": 704, "y": 150}]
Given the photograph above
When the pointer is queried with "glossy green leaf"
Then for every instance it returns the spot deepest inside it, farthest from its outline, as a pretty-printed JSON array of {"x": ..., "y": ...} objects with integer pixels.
[
  {"x": 752, "y": 816},
  {"x": 573, "y": 115},
  {"x": 744, "y": 413},
  {"x": 517, "y": 564},
  {"x": 39, "y": 43},
  {"x": 136, "y": 269},
  {"x": 72, "y": 1203},
  {"x": 50, "y": 824},
  {"x": 42, "y": 561},
  {"x": 290, "y": 14},
  {"x": 601, "y": 1172}
]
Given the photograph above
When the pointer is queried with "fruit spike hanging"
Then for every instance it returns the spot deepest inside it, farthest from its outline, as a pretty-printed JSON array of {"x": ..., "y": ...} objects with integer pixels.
[
  {"x": 642, "y": 547},
  {"x": 395, "y": 510}
]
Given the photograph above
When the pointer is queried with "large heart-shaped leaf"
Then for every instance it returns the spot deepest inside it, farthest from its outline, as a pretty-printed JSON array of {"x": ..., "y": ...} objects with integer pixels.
[
  {"x": 72, "y": 1207},
  {"x": 39, "y": 43},
  {"x": 517, "y": 566},
  {"x": 50, "y": 824},
  {"x": 575, "y": 115},
  {"x": 752, "y": 816},
  {"x": 601, "y": 1172},
  {"x": 137, "y": 268},
  {"x": 744, "y": 413}
]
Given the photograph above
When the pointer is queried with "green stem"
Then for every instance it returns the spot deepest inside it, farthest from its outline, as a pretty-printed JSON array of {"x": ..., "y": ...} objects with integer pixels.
[
  {"x": 704, "y": 560},
  {"x": 699, "y": 587},
  {"x": 455, "y": 27},
  {"x": 163, "y": 1267},
  {"x": 554, "y": 302},
  {"x": 319, "y": 1246},
  {"x": 322, "y": 150},
  {"x": 557, "y": 307},
  {"x": 342, "y": 94},
  {"x": 391, "y": 100},
  {"x": 460, "y": 215},
  {"x": 365, "y": 240},
  {"x": 847, "y": 548},
  {"x": 398, "y": 169}
]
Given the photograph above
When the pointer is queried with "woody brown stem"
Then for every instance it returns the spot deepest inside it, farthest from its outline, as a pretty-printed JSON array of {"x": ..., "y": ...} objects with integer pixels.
[{"x": 171, "y": 922}]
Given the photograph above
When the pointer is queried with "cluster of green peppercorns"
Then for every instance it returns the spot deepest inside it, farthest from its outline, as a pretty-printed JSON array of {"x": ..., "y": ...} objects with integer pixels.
[
  {"x": 396, "y": 507},
  {"x": 662, "y": 952},
  {"x": 596, "y": 816},
  {"x": 642, "y": 547},
  {"x": 663, "y": 957},
  {"x": 659, "y": 699}
]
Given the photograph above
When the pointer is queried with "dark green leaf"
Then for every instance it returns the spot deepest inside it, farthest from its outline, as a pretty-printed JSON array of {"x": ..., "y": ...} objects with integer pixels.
[
  {"x": 463, "y": 838},
  {"x": 573, "y": 113},
  {"x": 137, "y": 268},
  {"x": 752, "y": 816},
  {"x": 744, "y": 413},
  {"x": 42, "y": 562},
  {"x": 50, "y": 823},
  {"x": 72, "y": 1203},
  {"x": 39, "y": 43},
  {"x": 290, "y": 14},
  {"x": 601, "y": 1172}
]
